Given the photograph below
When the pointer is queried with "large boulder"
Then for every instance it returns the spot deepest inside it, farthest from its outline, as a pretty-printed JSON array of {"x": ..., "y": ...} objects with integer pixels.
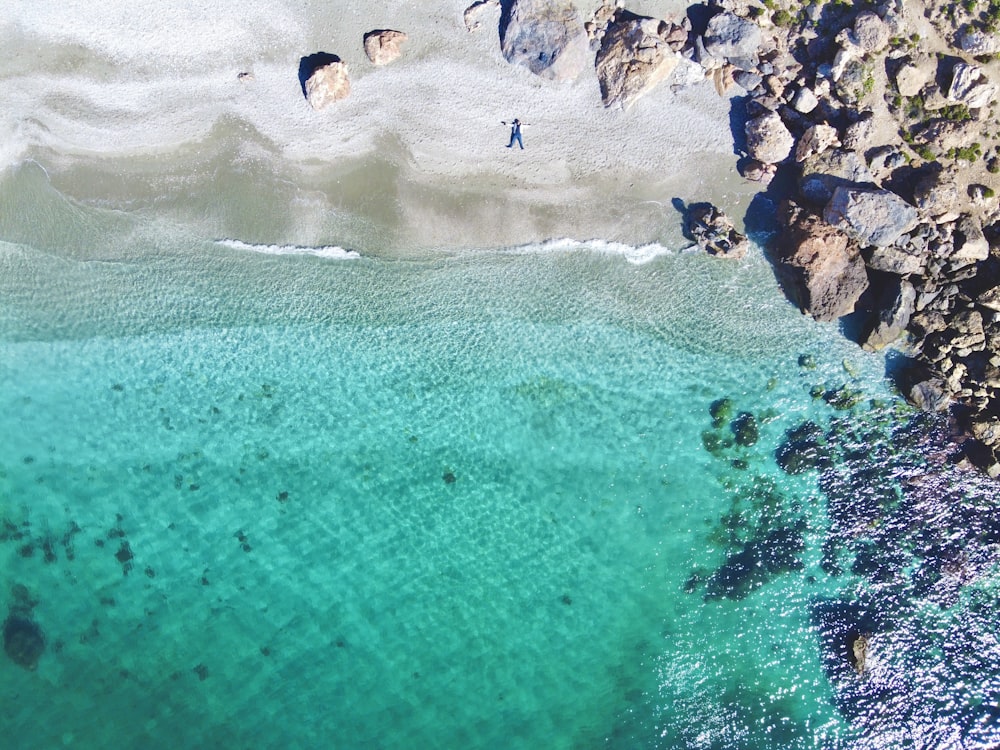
[
  {"x": 911, "y": 77},
  {"x": 817, "y": 139},
  {"x": 384, "y": 45},
  {"x": 977, "y": 42},
  {"x": 896, "y": 307},
  {"x": 327, "y": 84},
  {"x": 768, "y": 140},
  {"x": 822, "y": 173},
  {"x": 900, "y": 260},
  {"x": 634, "y": 56},
  {"x": 969, "y": 242},
  {"x": 824, "y": 264},
  {"x": 937, "y": 195},
  {"x": 871, "y": 217},
  {"x": 546, "y": 36},
  {"x": 969, "y": 86},
  {"x": 871, "y": 33},
  {"x": 732, "y": 38}
]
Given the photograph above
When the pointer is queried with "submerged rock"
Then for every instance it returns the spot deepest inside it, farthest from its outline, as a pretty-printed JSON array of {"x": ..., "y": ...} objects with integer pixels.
[
  {"x": 745, "y": 429},
  {"x": 859, "y": 652},
  {"x": 23, "y": 641},
  {"x": 803, "y": 449}
]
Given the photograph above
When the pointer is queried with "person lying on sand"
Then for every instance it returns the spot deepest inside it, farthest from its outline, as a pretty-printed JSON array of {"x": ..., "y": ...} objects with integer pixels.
[{"x": 515, "y": 133}]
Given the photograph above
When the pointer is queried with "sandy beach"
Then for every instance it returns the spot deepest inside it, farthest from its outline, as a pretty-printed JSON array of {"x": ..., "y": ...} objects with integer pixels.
[{"x": 119, "y": 104}]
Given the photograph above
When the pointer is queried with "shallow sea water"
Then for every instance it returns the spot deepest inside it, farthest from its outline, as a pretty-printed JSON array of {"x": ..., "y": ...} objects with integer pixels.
[{"x": 267, "y": 499}]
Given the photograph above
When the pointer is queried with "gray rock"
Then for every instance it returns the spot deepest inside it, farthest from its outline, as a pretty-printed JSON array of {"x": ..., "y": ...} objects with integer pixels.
[
  {"x": 970, "y": 244},
  {"x": 546, "y": 36},
  {"x": 969, "y": 86},
  {"x": 747, "y": 81},
  {"x": 911, "y": 78},
  {"x": 822, "y": 173},
  {"x": 902, "y": 261},
  {"x": 730, "y": 37},
  {"x": 930, "y": 395},
  {"x": 635, "y": 55},
  {"x": 872, "y": 217},
  {"x": 768, "y": 140},
  {"x": 894, "y": 315},
  {"x": 858, "y": 135},
  {"x": 937, "y": 194},
  {"x": 968, "y": 331},
  {"x": 816, "y": 140},
  {"x": 870, "y": 32},
  {"x": 990, "y": 299},
  {"x": 977, "y": 42},
  {"x": 804, "y": 101}
]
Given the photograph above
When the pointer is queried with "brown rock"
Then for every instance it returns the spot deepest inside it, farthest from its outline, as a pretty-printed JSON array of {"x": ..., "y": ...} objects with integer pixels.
[
  {"x": 327, "y": 84},
  {"x": 384, "y": 45},
  {"x": 824, "y": 264}
]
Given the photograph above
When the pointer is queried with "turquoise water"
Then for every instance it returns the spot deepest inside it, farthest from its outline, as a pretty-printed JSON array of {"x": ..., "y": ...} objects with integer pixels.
[{"x": 468, "y": 501}]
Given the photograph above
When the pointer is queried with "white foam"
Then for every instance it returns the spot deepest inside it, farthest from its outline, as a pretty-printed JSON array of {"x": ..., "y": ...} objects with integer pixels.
[
  {"x": 634, "y": 254},
  {"x": 331, "y": 252}
]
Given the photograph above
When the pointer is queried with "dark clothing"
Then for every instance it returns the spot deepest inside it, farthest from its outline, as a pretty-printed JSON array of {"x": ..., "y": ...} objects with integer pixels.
[{"x": 515, "y": 135}]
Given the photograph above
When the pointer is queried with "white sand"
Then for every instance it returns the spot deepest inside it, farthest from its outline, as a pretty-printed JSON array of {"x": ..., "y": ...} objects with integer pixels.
[{"x": 104, "y": 81}]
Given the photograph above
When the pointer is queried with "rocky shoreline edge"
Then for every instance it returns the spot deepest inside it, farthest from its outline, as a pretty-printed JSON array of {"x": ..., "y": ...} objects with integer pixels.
[
  {"x": 870, "y": 129},
  {"x": 878, "y": 121}
]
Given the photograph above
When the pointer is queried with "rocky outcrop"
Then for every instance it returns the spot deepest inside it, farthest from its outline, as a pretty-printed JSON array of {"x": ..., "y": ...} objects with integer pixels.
[
  {"x": 768, "y": 140},
  {"x": 872, "y": 217},
  {"x": 715, "y": 232},
  {"x": 327, "y": 84},
  {"x": 635, "y": 55},
  {"x": 384, "y": 45},
  {"x": 545, "y": 36},
  {"x": 883, "y": 126},
  {"x": 822, "y": 263},
  {"x": 860, "y": 645}
]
